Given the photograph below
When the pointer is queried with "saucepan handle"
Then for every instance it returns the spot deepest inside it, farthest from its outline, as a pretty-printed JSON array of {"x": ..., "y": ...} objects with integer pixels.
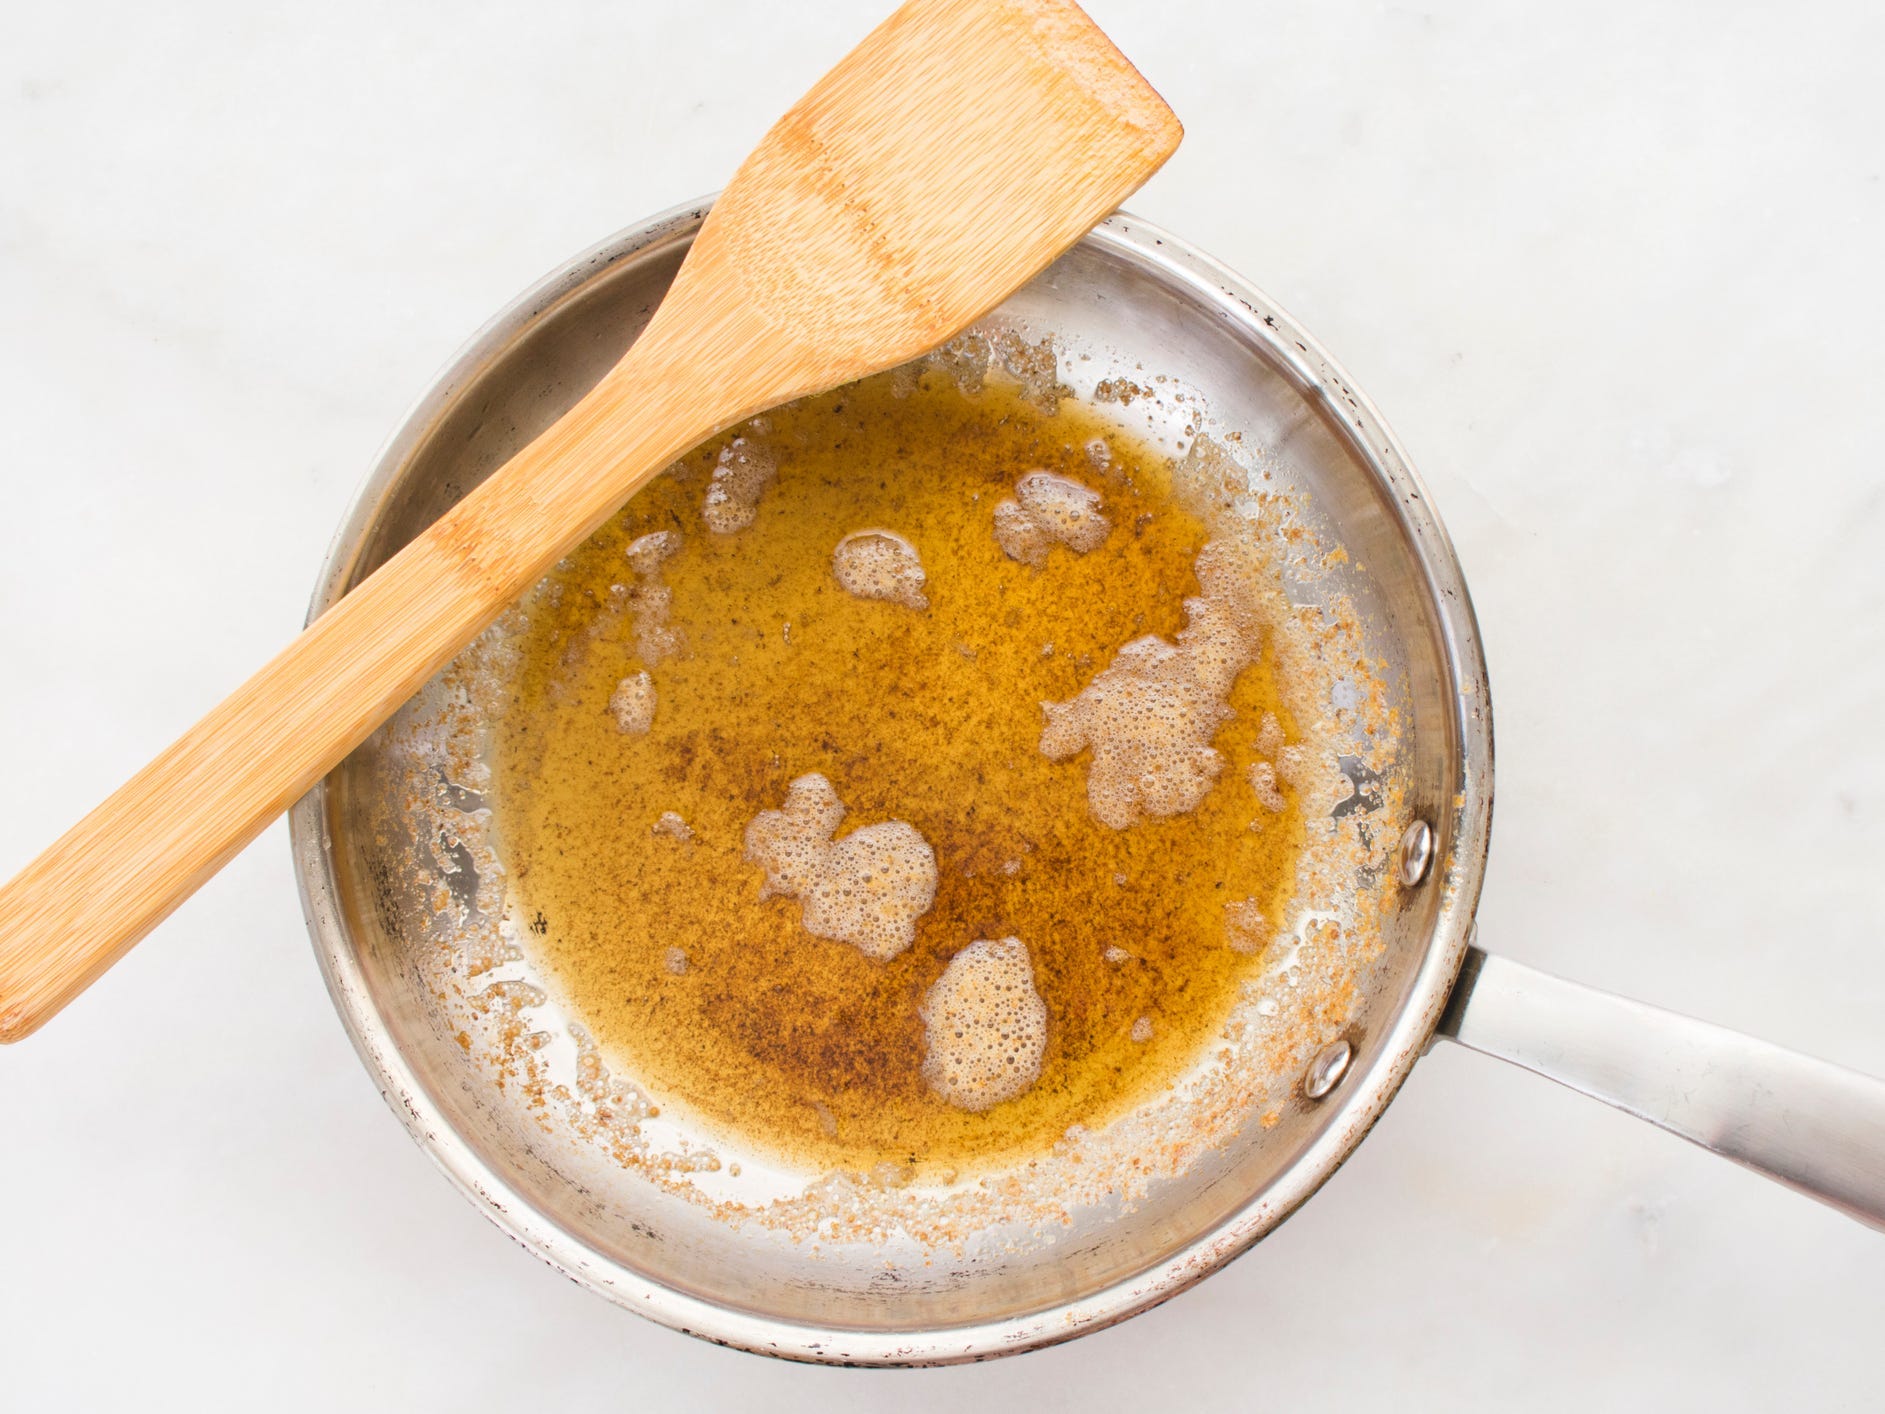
[{"x": 1816, "y": 1127}]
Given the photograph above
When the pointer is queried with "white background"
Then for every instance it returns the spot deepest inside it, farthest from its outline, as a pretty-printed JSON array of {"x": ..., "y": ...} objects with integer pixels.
[{"x": 1611, "y": 270}]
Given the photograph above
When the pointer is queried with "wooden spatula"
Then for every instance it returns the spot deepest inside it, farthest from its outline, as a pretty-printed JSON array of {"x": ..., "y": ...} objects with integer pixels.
[{"x": 951, "y": 155}]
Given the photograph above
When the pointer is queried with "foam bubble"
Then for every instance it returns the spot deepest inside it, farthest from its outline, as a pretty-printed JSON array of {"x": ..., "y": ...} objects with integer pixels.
[
  {"x": 648, "y": 553},
  {"x": 1296, "y": 764},
  {"x": 650, "y": 599},
  {"x": 905, "y": 379},
  {"x": 1291, "y": 765},
  {"x": 1019, "y": 537},
  {"x": 867, "y": 889},
  {"x": 1036, "y": 367},
  {"x": 827, "y": 1121},
  {"x": 1149, "y": 716},
  {"x": 876, "y": 564},
  {"x": 1049, "y": 509},
  {"x": 632, "y": 704},
  {"x": 1142, "y": 1030},
  {"x": 1210, "y": 473},
  {"x": 1246, "y": 930},
  {"x": 1116, "y": 955},
  {"x": 675, "y": 961},
  {"x": 1269, "y": 736},
  {"x": 740, "y": 477},
  {"x": 964, "y": 359},
  {"x": 984, "y": 1026},
  {"x": 1067, "y": 510},
  {"x": 1263, "y": 782},
  {"x": 673, "y": 826}
]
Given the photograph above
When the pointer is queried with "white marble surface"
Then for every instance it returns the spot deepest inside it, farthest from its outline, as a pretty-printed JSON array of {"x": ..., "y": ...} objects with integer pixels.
[{"x": 1613, "y": 272}]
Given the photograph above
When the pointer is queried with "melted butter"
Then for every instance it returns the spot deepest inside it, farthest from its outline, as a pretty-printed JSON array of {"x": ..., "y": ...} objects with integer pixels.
[{"x": 807, "y": 1047}]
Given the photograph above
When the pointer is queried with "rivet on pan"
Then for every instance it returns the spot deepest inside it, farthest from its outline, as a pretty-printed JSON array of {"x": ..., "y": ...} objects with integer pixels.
[
  {"x": 1416, "y": 856},
  {"x": 1326, "y": 1070}
]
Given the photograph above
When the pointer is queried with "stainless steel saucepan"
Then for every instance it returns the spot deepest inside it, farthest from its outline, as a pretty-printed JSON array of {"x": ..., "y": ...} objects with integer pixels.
[{"x": 1129, "y": 296}]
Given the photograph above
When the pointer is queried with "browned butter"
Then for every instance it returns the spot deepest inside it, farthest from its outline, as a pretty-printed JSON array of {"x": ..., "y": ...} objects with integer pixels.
[{"x": 762, "y": 668}]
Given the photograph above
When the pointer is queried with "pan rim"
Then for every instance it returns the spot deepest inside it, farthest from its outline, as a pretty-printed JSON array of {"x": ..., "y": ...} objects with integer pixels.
[{"x": 1364, "y": 1095}]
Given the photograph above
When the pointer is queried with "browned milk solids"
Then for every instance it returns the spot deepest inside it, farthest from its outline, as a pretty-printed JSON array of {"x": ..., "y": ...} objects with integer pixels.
[{"x": 919, "y": 700}]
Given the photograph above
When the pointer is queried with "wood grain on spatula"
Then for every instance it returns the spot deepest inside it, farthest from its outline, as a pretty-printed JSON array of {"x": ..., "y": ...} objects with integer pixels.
[{"x": 949, "y": 157}]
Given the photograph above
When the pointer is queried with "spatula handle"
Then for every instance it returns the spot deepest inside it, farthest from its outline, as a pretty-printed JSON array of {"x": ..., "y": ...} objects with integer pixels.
[{"x": 121, "y": 870}]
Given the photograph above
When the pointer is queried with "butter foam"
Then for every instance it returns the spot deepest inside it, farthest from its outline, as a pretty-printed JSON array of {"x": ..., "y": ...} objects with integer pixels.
[
  {"x": 867, "y": 889},
  {"x": 1149, "y": 716},
  {"x": 984, "y": 1026},
  {"x": 1049, "y": 510},
  {"x": 740, "y": 477},
  {"x": 877, "y": 564},
  {"x": 632, "y": 704}
]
